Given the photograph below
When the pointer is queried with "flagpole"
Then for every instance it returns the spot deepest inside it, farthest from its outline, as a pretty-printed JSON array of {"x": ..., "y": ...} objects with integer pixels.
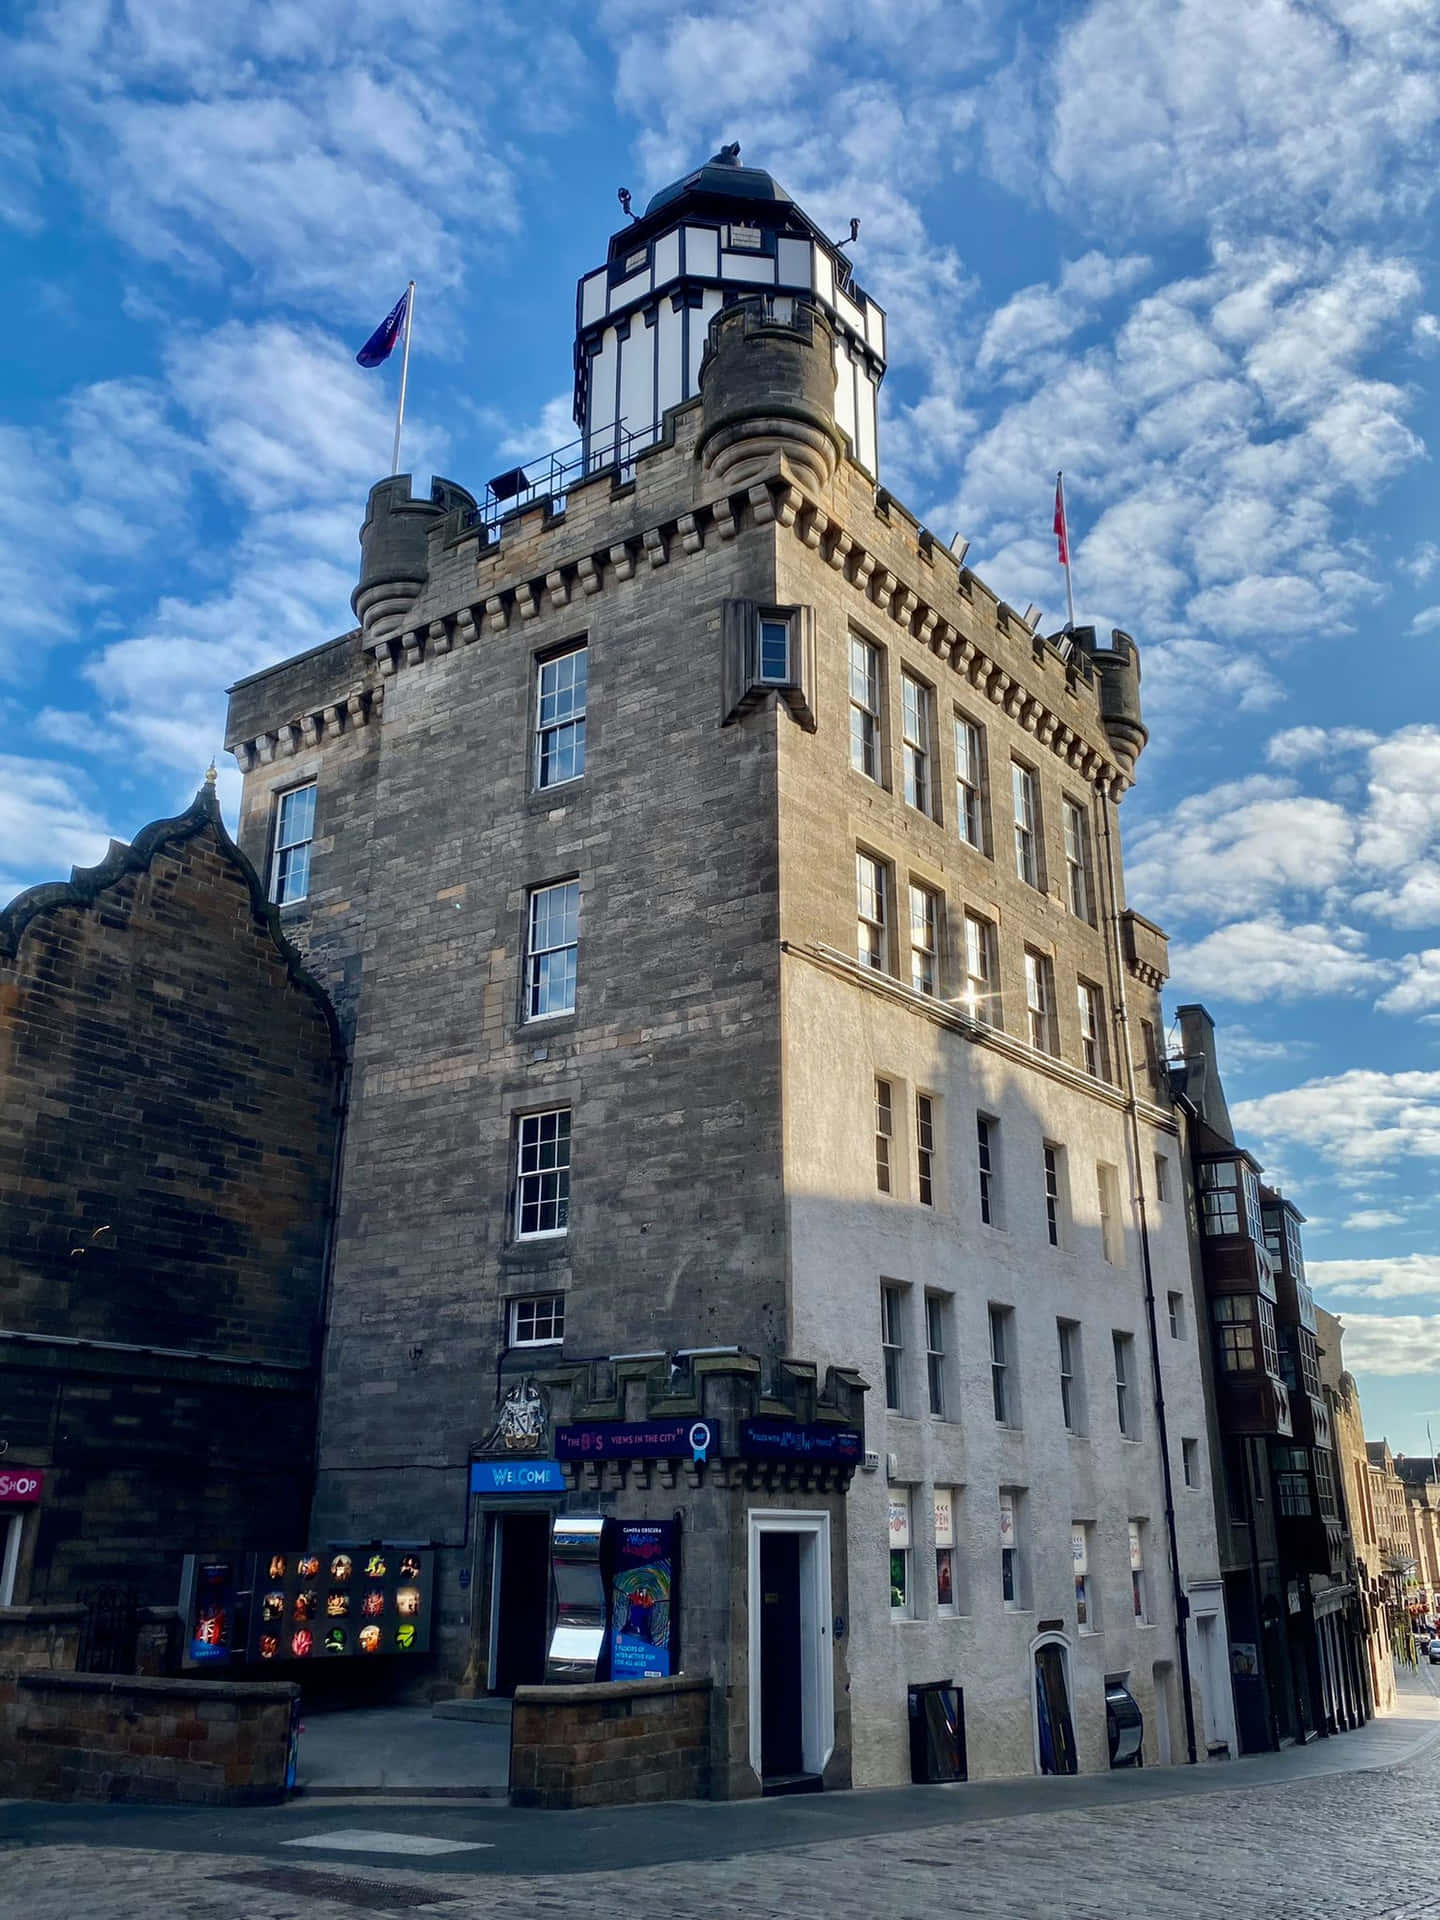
[
  {"x": 1065, "y": 519},
  {"x": 404, "y": 376}
]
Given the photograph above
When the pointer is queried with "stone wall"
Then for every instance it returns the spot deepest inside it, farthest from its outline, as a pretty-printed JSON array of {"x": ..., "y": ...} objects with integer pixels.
[
  {"x": 40, "y": 1639},
  {"x": 612, "y": 1744},
  {"x": 77, "y": 1736},
  {"x": 169, "y": 1078},
  {"x": 429, "y": 834}
]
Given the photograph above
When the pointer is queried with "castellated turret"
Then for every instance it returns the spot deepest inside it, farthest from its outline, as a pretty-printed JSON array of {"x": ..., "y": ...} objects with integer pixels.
[
  {"x": 1117, "y": 669},
  {"x": 394, "y": 542},
  {"x": 767, "y": 382}
]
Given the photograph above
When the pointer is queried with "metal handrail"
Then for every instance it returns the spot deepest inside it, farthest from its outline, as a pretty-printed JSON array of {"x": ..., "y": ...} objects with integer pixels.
[{"x": 551, "y": 475}]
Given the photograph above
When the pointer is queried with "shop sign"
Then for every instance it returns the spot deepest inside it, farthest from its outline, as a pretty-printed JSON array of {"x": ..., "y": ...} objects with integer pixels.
[
  {"x": 944, "y": 1520},
  {"x": 899, "y": 1523},
  {"x": 337, "y": 1603},
  {"x": 211, "y": 1625},
  {"x": 21, "y": 1484},
  {"x": 642, "y": 1600},
  {"x": 635, "y": 1440},
  {"x": 516, "y": 1476},
  {"x": 786, "y": 1440}
]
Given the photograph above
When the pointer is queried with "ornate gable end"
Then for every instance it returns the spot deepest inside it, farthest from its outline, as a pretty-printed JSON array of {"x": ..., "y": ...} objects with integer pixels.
[
  {"x": 171, "y": 1081},
  {"x": 87, "y": 887}
]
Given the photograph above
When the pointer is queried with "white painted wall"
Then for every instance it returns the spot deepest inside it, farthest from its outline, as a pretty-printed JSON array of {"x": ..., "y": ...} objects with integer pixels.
[{"x": 847, "y": 1237}]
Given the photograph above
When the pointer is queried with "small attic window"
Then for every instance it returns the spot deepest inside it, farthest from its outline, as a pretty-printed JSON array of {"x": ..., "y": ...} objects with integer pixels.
[
  {"x": 744, "y": 239},
  {"x": 634, "y": 261}
]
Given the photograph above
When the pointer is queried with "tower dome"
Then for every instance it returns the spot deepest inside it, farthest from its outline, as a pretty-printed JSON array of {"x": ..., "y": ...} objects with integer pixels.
[
  {"x": 723, "y": 178},
  {"x": 719, "y": 234}
]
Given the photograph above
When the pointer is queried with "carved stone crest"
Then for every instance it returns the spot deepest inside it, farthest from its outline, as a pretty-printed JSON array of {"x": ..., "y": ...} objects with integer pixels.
[{"x": 523, "y": 1424}]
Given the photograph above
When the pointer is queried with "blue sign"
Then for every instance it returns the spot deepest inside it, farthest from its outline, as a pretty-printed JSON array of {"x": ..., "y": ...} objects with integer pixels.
[
  {"x": 516, "y": 1476},
  {"x": 788, "y": 1440},
  {"x": 635, "y": 1440}
]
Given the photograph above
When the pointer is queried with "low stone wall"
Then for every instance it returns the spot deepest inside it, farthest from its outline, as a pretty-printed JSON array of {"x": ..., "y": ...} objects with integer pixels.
[
  {"x": 91, "y": 1736},
  {"x": 40, "y": 1639},
  {"x": 611, "y": 1744}
]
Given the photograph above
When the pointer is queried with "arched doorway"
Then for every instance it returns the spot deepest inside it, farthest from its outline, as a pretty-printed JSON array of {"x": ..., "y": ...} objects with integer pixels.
[{"x": 1054, "y": 1724}]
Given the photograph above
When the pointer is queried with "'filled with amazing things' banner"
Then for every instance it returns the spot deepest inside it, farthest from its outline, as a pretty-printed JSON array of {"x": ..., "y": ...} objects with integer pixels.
[{"x": 642, "y": 1600}]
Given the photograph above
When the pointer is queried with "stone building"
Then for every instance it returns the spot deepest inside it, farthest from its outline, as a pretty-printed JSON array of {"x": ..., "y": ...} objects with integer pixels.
[
  {"x": 1399, "y": 1560},
  {"x": 1418, "y": 1476},
  {"x": 169, "y": 1086},
  {"x": 1296, "y": 1620},
  {"x": 721, "y": 891},
  {"x": 1362, "y": 1524}
]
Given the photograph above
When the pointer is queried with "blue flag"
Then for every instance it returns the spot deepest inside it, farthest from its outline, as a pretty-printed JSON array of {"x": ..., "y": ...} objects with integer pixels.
[{"x": 381, "y": 344}]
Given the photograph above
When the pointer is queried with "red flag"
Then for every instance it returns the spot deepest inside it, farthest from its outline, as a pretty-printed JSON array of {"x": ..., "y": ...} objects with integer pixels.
[{"x": 1060, "y": 534}]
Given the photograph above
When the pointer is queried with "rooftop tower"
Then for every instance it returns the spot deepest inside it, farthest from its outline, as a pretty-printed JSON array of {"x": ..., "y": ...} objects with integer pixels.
[{"x": 720, "y": 234}]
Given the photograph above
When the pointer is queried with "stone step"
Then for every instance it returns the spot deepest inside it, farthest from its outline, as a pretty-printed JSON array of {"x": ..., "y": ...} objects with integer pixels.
[{"x": 490, "y": 1709}]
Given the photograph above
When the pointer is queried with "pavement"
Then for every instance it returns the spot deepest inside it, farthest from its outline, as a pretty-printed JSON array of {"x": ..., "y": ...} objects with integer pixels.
[{"x": 1344, "y": 1829}]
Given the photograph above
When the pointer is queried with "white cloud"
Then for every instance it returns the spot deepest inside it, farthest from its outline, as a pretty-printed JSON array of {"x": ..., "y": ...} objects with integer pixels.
[
  {"x": 1183, "y": 677},
  {"x": 1240, "y": 110},
  {"x": 1426, "y": 621},
  {"x": 1418, "y": 989},
  {"x": 1362, "y": 1118},
  {"x": 1392, "y": 1344},
  {"x": 98, "y": 492},
  {"x": 45, "y": 814},
  {"x": 1296, "y": 745},
  {"x": 1422, "y": 562},
  {"x": 1400, "y": 838},
  {"x": 1208, "y": 448},
  {"x": 1042, "y": 316},
  {"x": 284, "y": 141},
  {"x": 1263, "y": 959},
  {"x": 287, "y": 428},
  {"x": 1371, "y": 1219},
  {"x": 1234, "y": 849},
  {"x": 554, "y": 429},
  {"x": 1240, "y": 1048}
]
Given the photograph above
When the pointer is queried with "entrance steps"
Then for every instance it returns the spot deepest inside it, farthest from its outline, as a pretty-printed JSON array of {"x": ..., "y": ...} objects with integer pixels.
[{"x": 491, "y": 1710}]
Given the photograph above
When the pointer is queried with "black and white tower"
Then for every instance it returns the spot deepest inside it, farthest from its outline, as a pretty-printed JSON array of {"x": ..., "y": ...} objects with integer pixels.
[{"x": 721, "y": 234}]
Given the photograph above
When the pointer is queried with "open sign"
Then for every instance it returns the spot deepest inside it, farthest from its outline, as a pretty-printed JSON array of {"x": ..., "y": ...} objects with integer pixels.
[{"x": 21, "y": 1483}]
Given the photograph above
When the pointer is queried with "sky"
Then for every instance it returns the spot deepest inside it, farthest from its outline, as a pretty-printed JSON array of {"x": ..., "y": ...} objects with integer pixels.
[{"x": 1184, "y": 251}]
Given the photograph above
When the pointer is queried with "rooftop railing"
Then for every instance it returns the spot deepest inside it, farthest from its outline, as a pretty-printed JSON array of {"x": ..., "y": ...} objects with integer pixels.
[{"x": 550, "y": 476}]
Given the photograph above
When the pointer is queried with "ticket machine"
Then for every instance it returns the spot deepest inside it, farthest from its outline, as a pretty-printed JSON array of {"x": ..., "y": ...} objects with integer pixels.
[{"x": 579, "y": 1637}]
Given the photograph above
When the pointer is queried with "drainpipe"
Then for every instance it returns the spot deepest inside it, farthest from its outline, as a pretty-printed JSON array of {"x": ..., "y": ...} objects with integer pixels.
[{"x": 1132, "y": 1111}]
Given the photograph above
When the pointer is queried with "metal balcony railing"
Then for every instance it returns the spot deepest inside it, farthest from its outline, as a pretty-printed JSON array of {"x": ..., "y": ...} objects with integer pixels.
[{"x": 610, "y": 449}]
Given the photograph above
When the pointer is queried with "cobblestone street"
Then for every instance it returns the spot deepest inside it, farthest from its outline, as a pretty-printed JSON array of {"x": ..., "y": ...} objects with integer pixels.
[{"x": 1157, "y": 1847}]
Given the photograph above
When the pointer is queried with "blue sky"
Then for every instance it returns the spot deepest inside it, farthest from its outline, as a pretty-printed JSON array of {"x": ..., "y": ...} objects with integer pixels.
[{"x": 1185, "y": 251}]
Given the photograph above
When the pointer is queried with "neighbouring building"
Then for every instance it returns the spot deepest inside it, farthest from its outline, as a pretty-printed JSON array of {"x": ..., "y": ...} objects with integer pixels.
[
  {"x": 1418, "y": 1476},
  {"x": 1399, "y": 1559},
  {"x": 721, "y": 894},
  {"x": 1355, "y": 1476},
  {"x": 1297, "y": 1620},
  {"x": 169, "y": 1086}
]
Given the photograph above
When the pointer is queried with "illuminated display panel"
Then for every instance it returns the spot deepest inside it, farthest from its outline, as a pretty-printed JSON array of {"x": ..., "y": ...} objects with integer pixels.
[{"x": 332, "y": 1603}]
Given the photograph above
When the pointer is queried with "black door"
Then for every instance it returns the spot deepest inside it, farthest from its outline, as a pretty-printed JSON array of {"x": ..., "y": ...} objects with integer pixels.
[
  {"x": 782, "y": 1745},
  {"x": 522, "y": 1614}
]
